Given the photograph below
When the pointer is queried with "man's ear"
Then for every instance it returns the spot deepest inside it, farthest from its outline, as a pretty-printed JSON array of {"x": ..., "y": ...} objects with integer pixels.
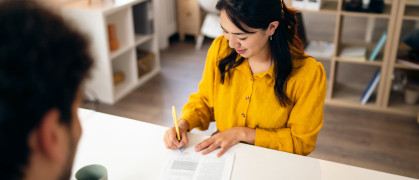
[
  {"x": 272, "y": 27},
  {"x": 49, "y": 136}
]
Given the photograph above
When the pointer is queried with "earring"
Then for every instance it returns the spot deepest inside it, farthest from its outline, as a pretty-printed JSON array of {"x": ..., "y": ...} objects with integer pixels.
[{"x": 270, "y": 37}]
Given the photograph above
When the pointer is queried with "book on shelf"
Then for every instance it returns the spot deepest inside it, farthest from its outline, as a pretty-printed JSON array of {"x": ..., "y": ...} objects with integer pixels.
[
  {"x": 378, "y": 47},
  {"x": 408, "y": 62},
  {"x": 371, "y": 87},
  {"x": 357, "y": 53}
]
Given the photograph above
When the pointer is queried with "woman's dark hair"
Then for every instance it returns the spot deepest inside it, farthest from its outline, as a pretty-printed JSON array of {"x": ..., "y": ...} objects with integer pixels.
[
  {"x": 42, "y": 64},
  {"x": 285, "y": 43}
]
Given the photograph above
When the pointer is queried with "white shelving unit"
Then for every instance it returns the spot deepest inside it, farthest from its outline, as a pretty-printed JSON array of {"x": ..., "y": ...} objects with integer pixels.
[{"x": 92, "y": 20}]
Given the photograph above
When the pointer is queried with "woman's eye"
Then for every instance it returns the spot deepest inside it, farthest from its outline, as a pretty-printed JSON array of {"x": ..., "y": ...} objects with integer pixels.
[{"x": 242, "y": 39}]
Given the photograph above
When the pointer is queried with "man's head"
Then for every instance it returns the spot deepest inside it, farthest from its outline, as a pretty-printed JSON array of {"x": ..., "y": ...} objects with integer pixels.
[{"x": 42, "y": 64}]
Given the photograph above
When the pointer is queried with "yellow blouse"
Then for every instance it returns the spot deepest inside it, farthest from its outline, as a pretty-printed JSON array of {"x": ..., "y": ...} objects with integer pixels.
[{"x": 248, "y": 100}]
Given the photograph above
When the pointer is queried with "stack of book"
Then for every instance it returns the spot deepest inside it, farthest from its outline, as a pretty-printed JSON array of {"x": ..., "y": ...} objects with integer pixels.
[{"x": 357, "y": 53}]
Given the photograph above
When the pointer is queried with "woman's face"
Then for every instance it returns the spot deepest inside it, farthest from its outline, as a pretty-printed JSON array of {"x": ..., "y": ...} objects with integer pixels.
[{"x": 246, "y": 44}]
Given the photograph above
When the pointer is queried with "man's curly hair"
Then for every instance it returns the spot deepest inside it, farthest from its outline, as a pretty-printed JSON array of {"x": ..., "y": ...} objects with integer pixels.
[{"x": 42, "y": 64}]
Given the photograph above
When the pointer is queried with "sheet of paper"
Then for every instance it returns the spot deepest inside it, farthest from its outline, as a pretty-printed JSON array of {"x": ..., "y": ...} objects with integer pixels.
[{"x": 191, "y": 165}]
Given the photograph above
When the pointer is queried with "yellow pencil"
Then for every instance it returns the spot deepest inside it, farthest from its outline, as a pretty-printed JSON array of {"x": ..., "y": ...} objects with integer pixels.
[{"x": 176, "y": 126}]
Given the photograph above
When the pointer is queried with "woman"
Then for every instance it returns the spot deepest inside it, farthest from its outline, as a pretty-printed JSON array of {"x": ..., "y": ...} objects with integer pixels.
[{"x": 258, "y": 85}]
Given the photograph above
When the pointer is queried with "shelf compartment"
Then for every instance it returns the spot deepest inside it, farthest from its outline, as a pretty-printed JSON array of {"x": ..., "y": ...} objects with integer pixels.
[
  {"x": 147, "y": 47},
  {"x": 368, "y": 37},
  {"x": 351, "y": 93},
  {"x": 328, "y": 7},
  {"x": 319, "y": 27},
  {"x": 385, "y": 14},
  {"x": 369, "y": 48},
  {"x": 351, "y": 80},
  {"x": 145, "y": 62},
  {"x": 123, "y": 27},
  {"x": 411, "y": 12},
  {"x": 403, "y": 49},
  {"x": 125, "y": 64},
  {"x": 396, "y": 102}
]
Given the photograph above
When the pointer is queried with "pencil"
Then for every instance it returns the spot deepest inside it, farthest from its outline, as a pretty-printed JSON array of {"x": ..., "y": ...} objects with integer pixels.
[{"x": 176, "y": 126}]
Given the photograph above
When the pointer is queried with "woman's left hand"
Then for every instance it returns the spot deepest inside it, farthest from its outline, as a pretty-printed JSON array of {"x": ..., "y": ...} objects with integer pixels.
[{"x": 226, "y": 139}]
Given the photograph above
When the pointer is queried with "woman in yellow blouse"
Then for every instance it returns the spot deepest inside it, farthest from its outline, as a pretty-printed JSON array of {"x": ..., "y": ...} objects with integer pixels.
[{"x": 258, "y": 85}]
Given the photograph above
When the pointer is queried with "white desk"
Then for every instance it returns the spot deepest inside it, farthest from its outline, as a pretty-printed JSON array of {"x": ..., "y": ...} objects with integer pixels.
[{"x": 132, "y": 149}]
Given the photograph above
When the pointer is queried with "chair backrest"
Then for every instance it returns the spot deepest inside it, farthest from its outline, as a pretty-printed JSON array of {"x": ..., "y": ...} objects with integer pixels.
[{"x": 209, "y": 6}]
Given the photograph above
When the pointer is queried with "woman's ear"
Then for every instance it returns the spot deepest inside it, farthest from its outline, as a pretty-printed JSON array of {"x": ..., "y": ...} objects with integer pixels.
[{"x": 272, "y": 27}]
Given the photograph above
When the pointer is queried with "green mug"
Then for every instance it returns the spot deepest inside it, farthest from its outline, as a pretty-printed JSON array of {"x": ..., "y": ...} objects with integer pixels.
[{"x": 92, "y": 172}]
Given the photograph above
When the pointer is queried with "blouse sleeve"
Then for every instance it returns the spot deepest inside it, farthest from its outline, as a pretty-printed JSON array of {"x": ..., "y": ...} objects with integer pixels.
[
  {"x": 199, "y": 111},
  {"x": 305, "y": 119}
]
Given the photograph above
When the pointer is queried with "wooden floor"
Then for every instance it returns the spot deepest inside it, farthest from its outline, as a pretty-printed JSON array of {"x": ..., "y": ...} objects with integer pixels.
[{"x": 383, "y": 142}]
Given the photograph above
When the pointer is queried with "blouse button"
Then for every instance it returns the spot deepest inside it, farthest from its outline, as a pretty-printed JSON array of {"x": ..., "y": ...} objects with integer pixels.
[
  {"x": 251, "y": 79},
  {"x": 247, "y": 97},
  {"x": 243, "y": 115}
]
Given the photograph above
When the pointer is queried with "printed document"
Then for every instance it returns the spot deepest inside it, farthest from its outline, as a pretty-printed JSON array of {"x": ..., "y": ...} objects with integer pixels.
[{"x": 191, "y": 165}]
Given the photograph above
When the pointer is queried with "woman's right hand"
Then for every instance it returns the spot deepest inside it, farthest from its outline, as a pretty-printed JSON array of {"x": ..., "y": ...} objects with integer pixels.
[{"x": 170, "y": 138}]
